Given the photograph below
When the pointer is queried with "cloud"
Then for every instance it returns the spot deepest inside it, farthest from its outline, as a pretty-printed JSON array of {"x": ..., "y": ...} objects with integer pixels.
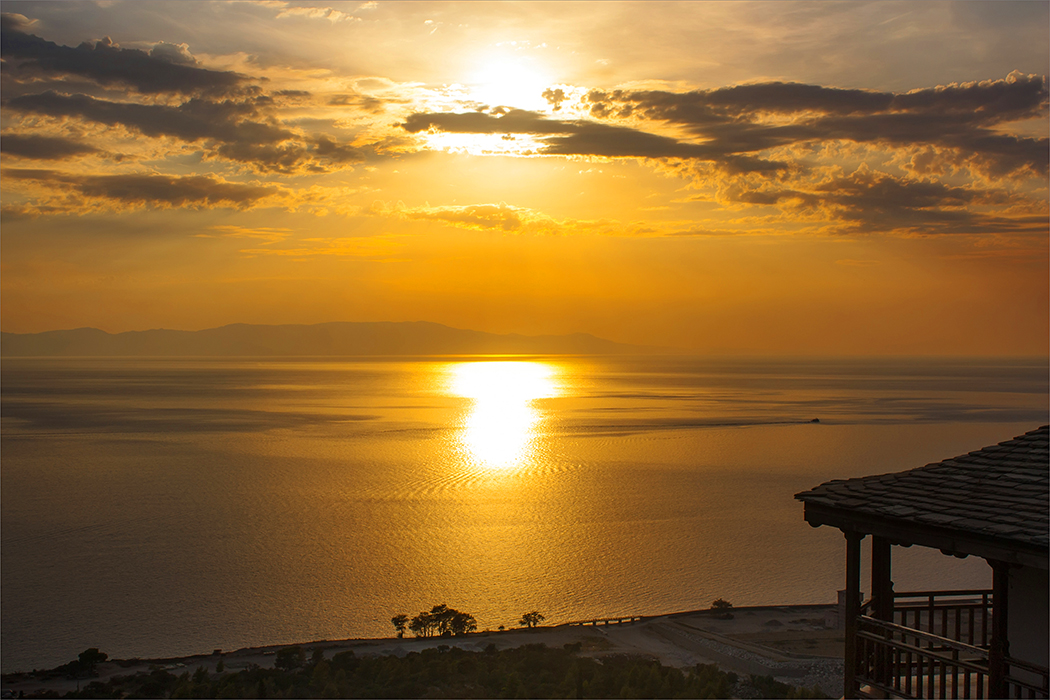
[
  {"x": 328, "y": 13},
  {"x": 167, "y": 68},
  {"x": 475, "y": 216},
  {"x": 554, "y": 96},
  {"x": 987, "y": 102},
  {"x": 507, "y": 218},
  {"x": 872, "y": 202},
  {"x": 731, "y": 126},
  {"x": 14, "y": 22},
  {"x": 149, "y": 190},
  {"x": 578, "y": 137},
  {"x": 173, "y": 53},
  {"x": 218, "y": 111},
  {"x": 365, "y": 103},
  {"x": 43, "y": 147},
  {"x": 234, "y": 130},
  {"x": 516, "y": 121},
  {"x": 267, "y": 235},
  {"x": 190, "y": 121},
  {"x": 959, "y": 117},
  {"x": 287, "y": 9},
  {"x": 785, "y": 146}
]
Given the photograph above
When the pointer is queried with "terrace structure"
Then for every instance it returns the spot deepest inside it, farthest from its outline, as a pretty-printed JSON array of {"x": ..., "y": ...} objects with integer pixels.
[{"x": 993, "y": 503}]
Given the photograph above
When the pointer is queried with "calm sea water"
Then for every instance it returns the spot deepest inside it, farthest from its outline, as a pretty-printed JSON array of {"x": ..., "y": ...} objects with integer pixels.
[{"x": 168, "y": 507}]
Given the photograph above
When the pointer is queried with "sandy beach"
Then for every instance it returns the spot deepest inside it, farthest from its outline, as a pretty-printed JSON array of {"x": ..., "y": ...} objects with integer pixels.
[{"x": 798, "y": 644}]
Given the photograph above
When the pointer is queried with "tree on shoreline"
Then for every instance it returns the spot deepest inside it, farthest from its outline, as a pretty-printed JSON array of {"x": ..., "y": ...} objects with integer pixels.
[
  {"x": 423, "y": 624},
  {"x": 531, "y": 619},
  {"x": 400, "y": 622},
  {"x": 722, "y": 609},
  {"x": 441, "y": 620}
]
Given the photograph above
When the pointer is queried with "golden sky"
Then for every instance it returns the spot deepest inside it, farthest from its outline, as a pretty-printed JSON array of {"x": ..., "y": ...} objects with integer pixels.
[{"x": 771, "y": 178}]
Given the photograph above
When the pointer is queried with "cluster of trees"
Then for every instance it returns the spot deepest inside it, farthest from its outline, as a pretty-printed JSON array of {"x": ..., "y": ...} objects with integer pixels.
[
  {"x": 439, "y": 620},
  {"x": 445, "y": 621},
  {"x": 442, "y": 620},
  {"x": 530, "y": 671}
]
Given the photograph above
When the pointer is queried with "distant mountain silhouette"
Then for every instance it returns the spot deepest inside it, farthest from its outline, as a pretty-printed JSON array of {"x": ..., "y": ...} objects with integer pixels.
[{"x": 239, "y": 339}]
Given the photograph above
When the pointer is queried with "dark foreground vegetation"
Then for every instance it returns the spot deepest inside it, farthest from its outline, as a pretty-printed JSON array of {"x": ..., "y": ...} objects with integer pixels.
[{"x": 530, "y": 671}]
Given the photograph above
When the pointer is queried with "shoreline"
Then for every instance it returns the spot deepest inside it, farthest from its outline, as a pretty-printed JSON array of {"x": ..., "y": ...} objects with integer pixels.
[{"x": 796, "y": 644}]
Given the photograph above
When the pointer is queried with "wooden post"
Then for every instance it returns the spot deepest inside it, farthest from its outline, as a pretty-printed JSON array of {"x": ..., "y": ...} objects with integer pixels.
[
  {"x": 882, "y": 600},
  {"x": 849, "y": 685},
  {"x": 999, "y": 647},
  {"x": 881, "y": 581}
]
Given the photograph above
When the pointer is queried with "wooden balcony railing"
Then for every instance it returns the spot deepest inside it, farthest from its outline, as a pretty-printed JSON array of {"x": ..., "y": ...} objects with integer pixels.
[
  {"x": 904, "y": 662},
  {"x": 1025, "y": 680},
  {"x": 936, "y": 647},
  {"x": 965, "y": 616}
]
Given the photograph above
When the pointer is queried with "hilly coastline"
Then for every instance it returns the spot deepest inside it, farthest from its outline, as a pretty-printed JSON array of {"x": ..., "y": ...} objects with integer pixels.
[{"x": 323, "y": 339}]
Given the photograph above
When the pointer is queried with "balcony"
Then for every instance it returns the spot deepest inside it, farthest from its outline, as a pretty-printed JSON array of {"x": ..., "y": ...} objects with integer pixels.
[
  {"x": 992, "y": 503},
  {"x": 938, "y": 645}
]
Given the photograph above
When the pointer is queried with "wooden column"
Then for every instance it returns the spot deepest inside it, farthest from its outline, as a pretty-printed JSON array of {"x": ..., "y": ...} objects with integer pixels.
[
  {"x": 881, "y": 579},
  {"x": 882, "y": 602},
  {"x": 849, "y": 685},
  {"x": 999, "y": 648}
]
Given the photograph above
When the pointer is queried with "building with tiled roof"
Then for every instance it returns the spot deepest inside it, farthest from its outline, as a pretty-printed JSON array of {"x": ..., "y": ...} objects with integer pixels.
[{"x": 993, "y": 503}]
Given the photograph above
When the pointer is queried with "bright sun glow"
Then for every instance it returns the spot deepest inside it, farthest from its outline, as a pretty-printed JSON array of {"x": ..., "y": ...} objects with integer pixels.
[
  {"x": 499, "y": 431},
  {"x": 483, "y": 144},
  {"x": 513, "y": 83}
]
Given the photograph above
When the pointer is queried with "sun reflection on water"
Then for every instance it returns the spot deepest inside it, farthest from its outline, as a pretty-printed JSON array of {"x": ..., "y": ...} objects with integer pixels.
[{"x": 499, "y": 432}]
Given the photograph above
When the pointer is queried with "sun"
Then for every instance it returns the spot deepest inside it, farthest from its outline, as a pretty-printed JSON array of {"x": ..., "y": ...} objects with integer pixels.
[
  {"x": 499, "y": 431},
  {"x": 515, "y": 82}
]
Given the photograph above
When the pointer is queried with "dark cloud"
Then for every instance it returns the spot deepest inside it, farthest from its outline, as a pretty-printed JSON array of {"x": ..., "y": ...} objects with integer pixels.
[
  {"x": 516, "y": 121},
  {"x": 168, "y": 68},
  {"x": 997, "y": 153},
  {"x": 732, "y": 125},
  {"x": 43, "y": 147},
  {"x": 582, "y": 137},
  {"x": 620, "y": 142},
  {"x": 231, "y": 119},
  {"x": 233, "y": 129},
  {"x": 335, "y": 152},
  {"x": 366, "y": 103},
  {"x": 990, "y": 101},
  {"x": 196, "y": 119},
  {"x": 871, "y": 202},
  {"x": 987, "y": 102},
  {"x": 150, "y": 190},
  {"x": 956, "y": 117}
]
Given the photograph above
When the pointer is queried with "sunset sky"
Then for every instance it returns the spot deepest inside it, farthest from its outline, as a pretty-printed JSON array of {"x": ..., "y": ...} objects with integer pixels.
[{"x": 770, "y": 178}]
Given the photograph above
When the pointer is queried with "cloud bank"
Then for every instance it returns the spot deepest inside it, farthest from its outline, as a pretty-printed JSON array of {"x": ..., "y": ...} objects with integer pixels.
[
  {"x": 767, "y": 145},
  {"x": 937, "y": 160}
]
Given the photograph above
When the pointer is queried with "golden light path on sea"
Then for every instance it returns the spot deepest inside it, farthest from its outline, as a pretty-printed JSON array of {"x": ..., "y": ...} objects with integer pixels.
[{"x": 499, "y": 430}]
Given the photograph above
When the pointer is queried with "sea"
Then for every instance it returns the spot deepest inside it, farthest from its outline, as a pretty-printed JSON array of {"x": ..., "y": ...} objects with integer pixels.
[{"x": 164, "y": 507}]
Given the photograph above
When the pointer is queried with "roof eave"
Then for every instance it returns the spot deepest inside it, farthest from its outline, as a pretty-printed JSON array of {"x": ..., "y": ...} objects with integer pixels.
[{"x": 907, "y": 533}]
